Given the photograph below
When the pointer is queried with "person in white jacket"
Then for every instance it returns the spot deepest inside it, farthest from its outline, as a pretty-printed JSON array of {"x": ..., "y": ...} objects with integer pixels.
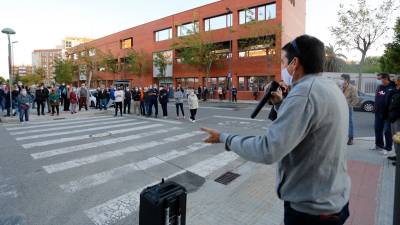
[
  {"x": 193, "y": 105},
  {"x": 119, "y": 98}
]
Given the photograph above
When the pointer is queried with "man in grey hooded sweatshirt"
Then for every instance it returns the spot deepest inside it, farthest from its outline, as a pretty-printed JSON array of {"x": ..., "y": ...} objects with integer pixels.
[{"x": 307, "y": 139}]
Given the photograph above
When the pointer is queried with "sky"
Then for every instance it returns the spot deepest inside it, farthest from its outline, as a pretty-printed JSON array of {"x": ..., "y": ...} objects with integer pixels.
[{"x": 42, "y": 24}]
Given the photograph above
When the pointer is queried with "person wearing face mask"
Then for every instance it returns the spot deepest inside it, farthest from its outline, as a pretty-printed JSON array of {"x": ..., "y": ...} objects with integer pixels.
[
  {"x": 307, "y": 139},
  {"x": 119, "y": 98},
  {"x": 383, "y": 131},
  {"x": 350, "y": 92},
  {"x": 127, "y": 100},
  {"x": 193, "y": 102},
  {"x": 102, "y": 95},
  {"x": 163, "y": 99},
  {"x": 23, "y": 105},
  {"x": 153, "y": 95},
  {"x": 136, "y": 101},
  {"x": 73, "y": 100},
  {"x": 40, "y": 100}
]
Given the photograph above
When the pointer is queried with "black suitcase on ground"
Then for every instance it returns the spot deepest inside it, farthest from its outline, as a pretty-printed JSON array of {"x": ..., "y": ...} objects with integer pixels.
[{"x": 163, "y": 204}]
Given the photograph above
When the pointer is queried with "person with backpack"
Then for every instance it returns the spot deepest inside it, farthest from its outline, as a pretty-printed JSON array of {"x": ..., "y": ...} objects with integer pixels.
[{"x": 54, "y": 99}]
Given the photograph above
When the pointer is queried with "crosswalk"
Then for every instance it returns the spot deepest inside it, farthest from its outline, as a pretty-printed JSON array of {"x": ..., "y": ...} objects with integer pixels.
[{"x": 131, "y": 145}]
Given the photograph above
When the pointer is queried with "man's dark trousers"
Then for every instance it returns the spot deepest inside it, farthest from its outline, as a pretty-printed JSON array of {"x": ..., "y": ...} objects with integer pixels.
[
  {"x": 382, "y": 128},
  {"x": 153, "y": 102},
  {"x": 293, "y": 217}
]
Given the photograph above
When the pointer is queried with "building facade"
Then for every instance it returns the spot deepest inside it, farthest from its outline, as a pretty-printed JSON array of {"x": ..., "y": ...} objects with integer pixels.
[
  {"x": 250, "y": 35},
  {"x": 70, "y": 42},
  {"x": 21, "y": 70},
  {"x": 44, "y": 58}
]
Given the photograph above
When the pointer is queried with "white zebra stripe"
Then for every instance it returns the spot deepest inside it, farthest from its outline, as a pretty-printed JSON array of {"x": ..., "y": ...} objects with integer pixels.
[
  {"x": 118, "y": 208},
  {"x": 68, "y": 127},
  {"x": 54, "y": 120},
  {"x": 119, "y": 124},
  {"x": 91, "y": 145},
  {"x": 58, "y": 123},
  {"x": 82, "y": 137},
  {"x": 106, "y": 176},
  {"x": 107, "y": 155}
]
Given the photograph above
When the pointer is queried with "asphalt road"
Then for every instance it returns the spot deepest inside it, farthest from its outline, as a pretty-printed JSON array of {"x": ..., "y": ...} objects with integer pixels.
[{"x": 90, "y": 169}]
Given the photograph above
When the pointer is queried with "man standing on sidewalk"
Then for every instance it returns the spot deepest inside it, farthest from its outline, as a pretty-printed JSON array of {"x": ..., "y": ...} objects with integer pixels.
[
  {"x": 382, "y": 125},
  {"x": 83, "y": 94},
  {"x": 127, "y": 100},
  {"x": 350, "y": 92},
  {"x": 41, "y": 98},
  {"x": 394, "y": 114},
  {"x": 234, "y": 94},
  {"x": 307, "y": 139},
  {"x": 153, "y": 95}
]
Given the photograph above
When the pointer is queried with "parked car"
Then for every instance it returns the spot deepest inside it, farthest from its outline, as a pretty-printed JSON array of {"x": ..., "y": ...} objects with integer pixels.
[{"x": 366, "y": 103}]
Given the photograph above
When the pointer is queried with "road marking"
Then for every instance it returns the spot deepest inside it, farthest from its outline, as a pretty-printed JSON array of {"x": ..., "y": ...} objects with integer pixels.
[
  {"x": 238, "y": 118},
  {"x": 68, "y": 122},
  {"x": 82, "y": 137},
  {"x": 91, "y": 145},
  {"x": 107, "y": 155},
  {"x": 119, "y": 123},
  {"x": 160, "y": 120},
  {"x": 68, "y": 127},
  {"x": 53, "y": 121},
  {"x": 115, "y": 173},
  {"x": 118, "y": 208},
  {"x": 365, "y": 138}
]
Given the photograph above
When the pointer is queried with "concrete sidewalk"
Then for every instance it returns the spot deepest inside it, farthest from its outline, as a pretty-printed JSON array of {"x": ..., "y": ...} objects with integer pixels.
[{"x": 251, "y": 199}]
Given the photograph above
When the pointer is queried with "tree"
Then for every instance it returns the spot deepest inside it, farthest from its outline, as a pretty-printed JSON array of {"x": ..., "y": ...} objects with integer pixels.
[
  {"x": 197, "y": 52},
  {"x": 2, "y": 80},
  {"x": 110, "y": 63},
  {"x": 360, "y": 27},
  {"x": 41, "y": 72},
  {"x": 161, "y": 62},
  {"x": 136, "y": 62},
  {"x": 88, "y": 57},
  {"x": 334, "y": 59},
  {"x": 31, "y": 79},
  {"x": 64, "y": 70},
  {"x": 390, "y": 61}
]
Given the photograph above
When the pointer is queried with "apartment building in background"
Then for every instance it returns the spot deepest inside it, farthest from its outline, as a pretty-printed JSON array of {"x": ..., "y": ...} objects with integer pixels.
[
  {"x": 21, "y": 70},
  {"x": 70, "y": 42},
  {"x": 233, "y": 24},
  {"x": 44, "y": 58}
]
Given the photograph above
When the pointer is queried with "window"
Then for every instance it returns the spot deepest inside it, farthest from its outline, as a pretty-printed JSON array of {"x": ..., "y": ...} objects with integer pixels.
[
  {"x": 218, "y": 22},
  {"x": 189, "y": 82},
  {"x": 260, "y": 46},
  {"x": 188, "y": 29},
  {"x": 267, "y": 12},
  {"x": 68, "y": 44},
  {"x": 127, "y": 43},
  {"x": 248, "y": 83},
  {"x": 163, "y": 35},
  {"x": 247, "y": 15}
]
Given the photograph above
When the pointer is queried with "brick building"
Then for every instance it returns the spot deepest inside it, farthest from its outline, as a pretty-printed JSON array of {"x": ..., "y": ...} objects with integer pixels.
[
  {"x": 44, "y": 58},
  {"x": 232, "y": 24}
]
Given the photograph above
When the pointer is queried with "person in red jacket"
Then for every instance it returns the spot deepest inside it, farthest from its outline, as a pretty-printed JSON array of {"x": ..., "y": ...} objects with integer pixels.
[{"x": 73, "y": 100}]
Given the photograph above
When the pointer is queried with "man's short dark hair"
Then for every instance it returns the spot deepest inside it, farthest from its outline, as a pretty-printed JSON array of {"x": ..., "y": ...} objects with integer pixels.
[
  {"x": 346, "y": 77},
  {"x": 309, "y": 50},
  {"x": 384, "y": 76}
]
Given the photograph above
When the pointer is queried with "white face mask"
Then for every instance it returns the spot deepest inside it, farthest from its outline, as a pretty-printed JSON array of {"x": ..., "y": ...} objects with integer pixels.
[
  {"x": 379, "y": 82},
  {"x": 286, "y": 77},
  {"x": 340, "y": 83},
  {"x": 23, "y": 92}
]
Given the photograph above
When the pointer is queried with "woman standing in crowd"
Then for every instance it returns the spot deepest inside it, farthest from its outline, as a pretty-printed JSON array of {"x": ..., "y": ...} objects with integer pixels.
[
  {"x": 23, "y": 100},
  {"x": 73, "y": 100},
  {"x": 178, "y": 95},
  {"x": 142, "y": 106},
  {"x": 54, "y": 98},
  {"x": 163, "y": 99},
  {"x": 193, "y": 102},
  {"x": 119, "y": 98}
]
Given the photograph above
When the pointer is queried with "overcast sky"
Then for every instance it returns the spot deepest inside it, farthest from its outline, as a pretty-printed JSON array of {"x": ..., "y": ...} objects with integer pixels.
[{"x": 42, "y": 24}]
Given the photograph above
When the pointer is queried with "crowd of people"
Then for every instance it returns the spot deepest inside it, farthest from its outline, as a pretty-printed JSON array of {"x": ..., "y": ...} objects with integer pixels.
[{"x": 73, "y": 99}]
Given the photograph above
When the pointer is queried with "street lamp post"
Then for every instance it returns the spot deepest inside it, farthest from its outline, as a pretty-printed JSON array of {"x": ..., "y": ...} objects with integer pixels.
[
  {"x": 229, "y": 78},
  {"x": 9, "y": 32}
]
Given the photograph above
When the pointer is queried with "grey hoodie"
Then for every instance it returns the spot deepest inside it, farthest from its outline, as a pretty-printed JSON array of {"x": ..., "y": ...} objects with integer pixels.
[
  {"x": 178, "y": 95},
  {"x": 308, "y": 139}
]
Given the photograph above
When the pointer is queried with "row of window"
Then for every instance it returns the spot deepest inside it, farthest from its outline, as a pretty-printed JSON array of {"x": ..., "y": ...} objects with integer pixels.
[
  {"x": 246, "y": 83},
  {"x": 264, "y": 12}
]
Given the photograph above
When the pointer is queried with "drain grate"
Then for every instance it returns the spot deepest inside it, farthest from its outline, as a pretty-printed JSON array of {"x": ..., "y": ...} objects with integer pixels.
[{"x": 227, "y": 178}]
